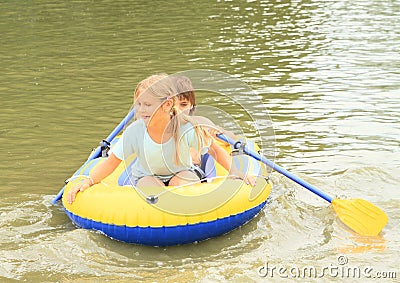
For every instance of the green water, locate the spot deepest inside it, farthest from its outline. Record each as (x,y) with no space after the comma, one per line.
(326,71)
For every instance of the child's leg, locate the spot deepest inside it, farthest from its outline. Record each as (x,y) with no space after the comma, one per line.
(183,177)
(149,181)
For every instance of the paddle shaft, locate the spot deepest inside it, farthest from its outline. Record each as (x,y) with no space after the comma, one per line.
(240,145)
(97,152)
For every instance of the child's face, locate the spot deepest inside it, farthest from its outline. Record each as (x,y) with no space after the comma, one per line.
(147,107)
(184,105)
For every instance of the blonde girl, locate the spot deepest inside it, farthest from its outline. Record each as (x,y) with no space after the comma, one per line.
(159,137)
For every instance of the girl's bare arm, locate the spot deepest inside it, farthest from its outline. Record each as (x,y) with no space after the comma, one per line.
(101,172)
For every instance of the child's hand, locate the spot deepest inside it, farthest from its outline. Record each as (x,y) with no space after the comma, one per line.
(248,179)
(214,131)
(79,188)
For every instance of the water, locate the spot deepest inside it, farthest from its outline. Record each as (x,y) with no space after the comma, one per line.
(327,71)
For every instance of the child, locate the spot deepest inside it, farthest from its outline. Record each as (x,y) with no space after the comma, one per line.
(160,138)
(187,105)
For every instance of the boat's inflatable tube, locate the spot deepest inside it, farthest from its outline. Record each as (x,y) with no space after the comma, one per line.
(168,215)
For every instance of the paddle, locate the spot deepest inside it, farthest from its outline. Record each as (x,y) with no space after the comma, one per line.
(360,215)
(97,152)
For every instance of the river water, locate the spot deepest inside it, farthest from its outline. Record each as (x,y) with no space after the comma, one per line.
(327,73)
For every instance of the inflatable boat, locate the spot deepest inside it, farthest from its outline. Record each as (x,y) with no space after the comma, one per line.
(164,216)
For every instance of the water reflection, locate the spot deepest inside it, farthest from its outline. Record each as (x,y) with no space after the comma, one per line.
(359,244)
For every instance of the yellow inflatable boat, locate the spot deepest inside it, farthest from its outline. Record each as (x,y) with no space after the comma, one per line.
(169,215)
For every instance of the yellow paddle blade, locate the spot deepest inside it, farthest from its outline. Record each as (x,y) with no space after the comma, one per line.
(360,215)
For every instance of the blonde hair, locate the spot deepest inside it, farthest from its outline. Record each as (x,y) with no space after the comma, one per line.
(164,87)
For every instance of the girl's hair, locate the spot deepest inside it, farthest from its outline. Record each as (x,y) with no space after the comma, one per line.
(164,87)
(161,90)
(185,90)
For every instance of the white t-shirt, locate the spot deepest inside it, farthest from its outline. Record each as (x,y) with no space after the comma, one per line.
(154,159)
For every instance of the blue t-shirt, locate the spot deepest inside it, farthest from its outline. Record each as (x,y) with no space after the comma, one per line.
(154,159)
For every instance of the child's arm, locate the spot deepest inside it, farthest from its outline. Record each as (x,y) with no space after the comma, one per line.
(213,129)
(223,158)
(98,174)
